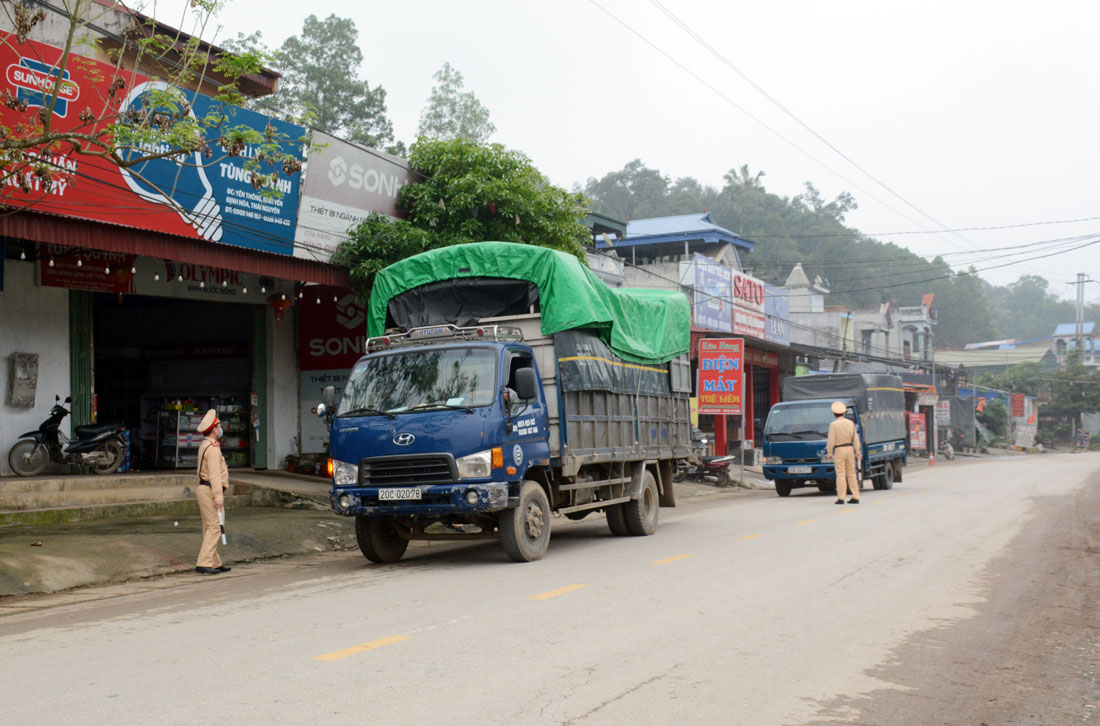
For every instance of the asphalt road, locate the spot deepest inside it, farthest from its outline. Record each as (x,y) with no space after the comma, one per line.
(745,609)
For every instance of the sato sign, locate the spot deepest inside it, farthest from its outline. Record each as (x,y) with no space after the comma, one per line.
(721,378)
(195,197)
(748,306)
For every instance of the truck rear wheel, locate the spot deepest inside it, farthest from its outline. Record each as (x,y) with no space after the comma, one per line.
(885,480)
(641,514)
(525,530)
(378,540)
(782,488)
(616,520)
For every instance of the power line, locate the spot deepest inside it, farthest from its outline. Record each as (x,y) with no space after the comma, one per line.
(703,293)
(699,39)
(913,232)
(745,111)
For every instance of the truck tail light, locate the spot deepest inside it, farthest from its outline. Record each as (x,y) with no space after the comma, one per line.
(498,457)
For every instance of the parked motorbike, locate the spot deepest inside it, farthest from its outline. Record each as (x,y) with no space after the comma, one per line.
(714,469)
(99,446)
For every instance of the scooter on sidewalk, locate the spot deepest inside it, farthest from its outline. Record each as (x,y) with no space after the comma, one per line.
(714,469)
(99,446)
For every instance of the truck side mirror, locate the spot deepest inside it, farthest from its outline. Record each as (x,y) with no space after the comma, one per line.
(328,396)
(527,384)
(322,409)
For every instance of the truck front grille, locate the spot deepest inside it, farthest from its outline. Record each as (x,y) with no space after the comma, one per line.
(400,471)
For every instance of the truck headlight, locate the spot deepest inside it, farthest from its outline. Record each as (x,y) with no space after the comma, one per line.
(476,466)
(344,474)
(773,460)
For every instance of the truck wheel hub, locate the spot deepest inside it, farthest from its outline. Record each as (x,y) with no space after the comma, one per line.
(534,521)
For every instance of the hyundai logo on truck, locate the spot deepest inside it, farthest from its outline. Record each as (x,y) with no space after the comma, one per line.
(404,439)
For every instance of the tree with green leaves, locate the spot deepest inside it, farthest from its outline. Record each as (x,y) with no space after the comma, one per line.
(470,193)
(994,416)
(452,113)
(1074,390)
(809,229)
(321,83)
(128,135)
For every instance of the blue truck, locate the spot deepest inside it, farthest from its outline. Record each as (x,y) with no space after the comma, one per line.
(797,429)
(504,384)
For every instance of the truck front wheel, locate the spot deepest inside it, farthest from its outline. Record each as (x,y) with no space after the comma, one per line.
(525,530)
(378,540)
(782,488)
(885,480)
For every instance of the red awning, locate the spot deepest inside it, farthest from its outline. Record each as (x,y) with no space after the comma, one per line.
(50,229)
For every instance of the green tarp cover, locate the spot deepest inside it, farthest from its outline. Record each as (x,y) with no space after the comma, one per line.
(640,325)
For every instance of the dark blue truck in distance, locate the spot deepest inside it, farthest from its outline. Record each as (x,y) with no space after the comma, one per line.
(797,429)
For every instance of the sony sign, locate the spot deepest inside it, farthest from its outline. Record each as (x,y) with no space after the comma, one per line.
(343,184)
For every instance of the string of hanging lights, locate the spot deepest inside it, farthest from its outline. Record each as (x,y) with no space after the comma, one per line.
(107,272)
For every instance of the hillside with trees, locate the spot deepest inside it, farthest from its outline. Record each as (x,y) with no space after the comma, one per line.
(861,271)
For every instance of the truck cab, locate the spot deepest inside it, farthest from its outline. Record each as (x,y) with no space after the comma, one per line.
(794,444)
(797,429)
(455,415)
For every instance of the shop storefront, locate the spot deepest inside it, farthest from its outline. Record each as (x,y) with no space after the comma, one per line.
(152,293)
(731,304)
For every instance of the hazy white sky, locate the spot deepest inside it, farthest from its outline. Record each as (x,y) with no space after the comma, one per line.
(978,113)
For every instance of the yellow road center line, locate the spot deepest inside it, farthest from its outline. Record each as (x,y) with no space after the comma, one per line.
(555,593)
(747,537)
(846,511)
(880,501)
(666,560)
(357,649)
(804,521)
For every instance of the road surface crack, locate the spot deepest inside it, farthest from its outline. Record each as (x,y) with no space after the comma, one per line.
(619,697)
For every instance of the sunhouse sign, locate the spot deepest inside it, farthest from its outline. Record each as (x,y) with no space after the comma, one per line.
(199,198)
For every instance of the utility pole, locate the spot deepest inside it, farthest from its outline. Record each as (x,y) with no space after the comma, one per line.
(1079,332)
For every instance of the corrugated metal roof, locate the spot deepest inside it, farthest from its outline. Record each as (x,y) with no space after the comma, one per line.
(678,228)
(674,224)
(1071,328)
(982,358)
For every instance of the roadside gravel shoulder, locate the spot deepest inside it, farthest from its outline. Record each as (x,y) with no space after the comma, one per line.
(1032,653)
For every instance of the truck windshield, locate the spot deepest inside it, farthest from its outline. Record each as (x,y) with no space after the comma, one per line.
(420,379)
(798,421)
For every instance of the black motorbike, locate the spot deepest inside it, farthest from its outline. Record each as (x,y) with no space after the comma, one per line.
(714,469)
(99,446)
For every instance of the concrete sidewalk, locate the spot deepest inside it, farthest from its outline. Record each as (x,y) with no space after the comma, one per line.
(295,521)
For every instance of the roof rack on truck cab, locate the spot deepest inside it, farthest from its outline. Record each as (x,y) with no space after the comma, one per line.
(443,334)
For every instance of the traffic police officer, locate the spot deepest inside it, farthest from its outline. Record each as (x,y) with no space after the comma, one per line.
(213,481)
(844,449)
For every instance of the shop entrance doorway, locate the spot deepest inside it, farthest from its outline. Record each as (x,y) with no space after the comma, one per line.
(160,363)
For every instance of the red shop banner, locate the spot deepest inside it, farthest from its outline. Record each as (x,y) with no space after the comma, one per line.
(1019,405)
(918,431)
(332,333)
(721,379)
